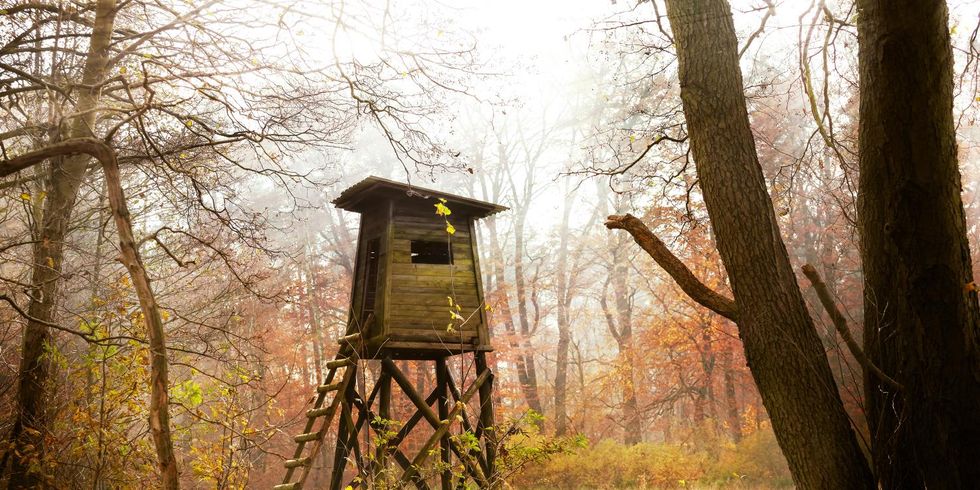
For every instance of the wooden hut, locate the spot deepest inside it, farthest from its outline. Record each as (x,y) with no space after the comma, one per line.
(417,291)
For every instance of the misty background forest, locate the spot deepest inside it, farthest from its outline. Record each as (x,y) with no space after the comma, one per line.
(738,248)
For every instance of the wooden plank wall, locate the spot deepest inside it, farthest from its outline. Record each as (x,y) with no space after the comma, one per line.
(418,307)
(373,226)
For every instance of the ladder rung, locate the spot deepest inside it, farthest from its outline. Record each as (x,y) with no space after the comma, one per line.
(336,363)
(317,412)
(328,388)
(286,486)
(309,436)
(348,338)
(293,463)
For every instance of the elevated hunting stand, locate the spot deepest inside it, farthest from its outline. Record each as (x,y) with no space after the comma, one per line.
(416,295)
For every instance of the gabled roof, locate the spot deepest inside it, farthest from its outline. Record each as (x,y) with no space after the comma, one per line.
(366,193)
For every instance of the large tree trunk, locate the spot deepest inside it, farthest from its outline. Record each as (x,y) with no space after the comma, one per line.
(781,344)
(921,315)
(65,177)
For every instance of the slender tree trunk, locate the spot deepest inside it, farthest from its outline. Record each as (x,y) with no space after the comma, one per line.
(781,343)
(564,328)
(922,322)
(308,277)
(624,317)
(526,350)
(731,400)
(65,177)
(706,392)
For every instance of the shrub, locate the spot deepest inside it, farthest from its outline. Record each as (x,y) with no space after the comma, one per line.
(756,463)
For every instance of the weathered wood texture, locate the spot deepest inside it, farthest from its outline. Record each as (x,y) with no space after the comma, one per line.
(419,308)
(411,301)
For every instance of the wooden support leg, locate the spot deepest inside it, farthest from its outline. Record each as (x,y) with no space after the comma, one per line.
(344,429)
(341,451)
(485,427)
(441,426)
(384,412)
(354,443)
(467,426)
(442,384)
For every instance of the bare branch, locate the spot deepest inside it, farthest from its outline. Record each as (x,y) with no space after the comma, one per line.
(840,323)
(672,265)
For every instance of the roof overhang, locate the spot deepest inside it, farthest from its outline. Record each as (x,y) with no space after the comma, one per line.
(366,193)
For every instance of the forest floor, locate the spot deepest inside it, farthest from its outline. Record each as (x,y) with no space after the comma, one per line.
(753,463)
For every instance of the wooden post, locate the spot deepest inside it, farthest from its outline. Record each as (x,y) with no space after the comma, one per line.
(340,452)
(485,427)
(433,419)
(384,412)
(442,383)
(343,430)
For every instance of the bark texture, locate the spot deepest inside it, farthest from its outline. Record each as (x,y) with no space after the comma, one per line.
(782,347)
(921,314)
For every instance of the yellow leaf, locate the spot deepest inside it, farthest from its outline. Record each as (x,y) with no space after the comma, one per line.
(25,196)
(970,287)
(189,123)
(450,229)
(122,70)
(487,307)
(50,262)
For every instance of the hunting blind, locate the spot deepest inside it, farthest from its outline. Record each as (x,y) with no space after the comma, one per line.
(416,295)
(409,266)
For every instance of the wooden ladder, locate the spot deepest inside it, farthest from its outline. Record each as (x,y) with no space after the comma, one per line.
(323,412)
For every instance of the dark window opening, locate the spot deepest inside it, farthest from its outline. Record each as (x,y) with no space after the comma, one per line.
(424,252)
(371,281)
